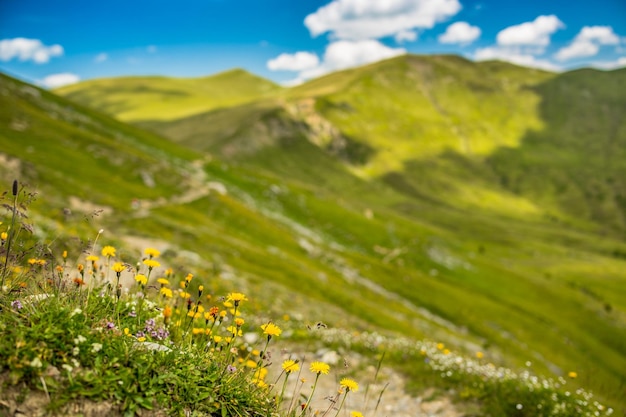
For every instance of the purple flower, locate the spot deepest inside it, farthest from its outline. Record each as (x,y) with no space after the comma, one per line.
(110,325)
(231,369)
(140,334)
(17,304)
(133,313)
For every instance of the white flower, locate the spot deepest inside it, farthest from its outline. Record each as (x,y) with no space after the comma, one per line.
(36,363)
(96,347)
(75,312)
(80,339)
(67,367)
(75,351)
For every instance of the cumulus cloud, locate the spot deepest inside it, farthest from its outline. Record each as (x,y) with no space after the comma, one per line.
(460,33)
(515,56)
(587,42)
(293,62)
(535,33)
(347,54)
(101,57)
(358,19)
(59,80)
(26,49)
(405,36)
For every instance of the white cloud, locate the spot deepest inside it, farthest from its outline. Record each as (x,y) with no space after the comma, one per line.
(371,19)
(609,65)
(535,33)
(515,56)
(405,36)
(101,57)
(28,50)
(460,32)
(587,42)
(347,54)
(293,62)
(59,80)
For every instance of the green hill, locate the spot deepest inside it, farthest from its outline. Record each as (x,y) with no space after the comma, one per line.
(373,198)
(145,98)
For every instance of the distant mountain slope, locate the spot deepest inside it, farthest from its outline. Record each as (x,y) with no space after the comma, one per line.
(69,150)
(147,98)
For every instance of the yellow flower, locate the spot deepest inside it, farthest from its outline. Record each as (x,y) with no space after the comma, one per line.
(197,330)
(440,346)
(251,364)
(64,254)
(239,322)
(290,366)
(572,375)
(355,414)
(446,351)
(108,251)
(260,373)
(92,258)
(118,267)
(349,384)
(270,329)
(319,368)
(141,279)
(163,281)
(217,339)
(184,294)
(4,236)
(141,339)
(151,263)
(479,355)
(234,330)
(167,312)
(236,298)
(166,292)
(32,261)
(152,253)
(126,331)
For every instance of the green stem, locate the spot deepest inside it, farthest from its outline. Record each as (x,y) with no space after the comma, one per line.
(11,235)
(343,400)
(308,401)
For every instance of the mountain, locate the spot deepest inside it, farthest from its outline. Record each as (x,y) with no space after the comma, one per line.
(413,232)
(139,98)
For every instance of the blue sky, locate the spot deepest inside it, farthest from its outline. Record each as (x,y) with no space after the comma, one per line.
(57,42)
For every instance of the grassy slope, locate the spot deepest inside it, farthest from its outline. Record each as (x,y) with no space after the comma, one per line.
(518,283)
(145,98)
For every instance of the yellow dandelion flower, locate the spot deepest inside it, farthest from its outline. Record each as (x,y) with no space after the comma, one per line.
(349,384)
(255,352)
(163,281)
(189,277)
(108,251)
(41,262)
(446,351)
(319,368)
(118,267)
(184,294)
(151,263)
(440,346)
(32,261)
(251,364)
(234,330)
(479,355)
(236,297)
(260,373)
(355,414)
(290,366)
(270,329)
(92,258)
(260,383)
(126,331)
(4,236)
(166,292)
(572,375)
(167,312)
(141,279)
(239,322)
(59,268)
(80,267)
(141,339)
(217,339)
(152,253)
(64,254)
(197,330)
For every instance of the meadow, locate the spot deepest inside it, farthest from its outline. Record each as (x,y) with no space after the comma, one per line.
(476,250)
